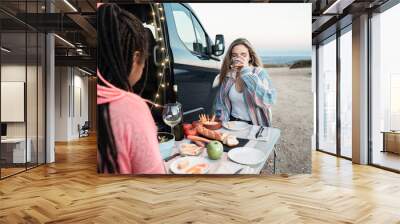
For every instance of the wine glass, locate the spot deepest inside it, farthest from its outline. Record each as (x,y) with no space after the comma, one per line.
(172,114)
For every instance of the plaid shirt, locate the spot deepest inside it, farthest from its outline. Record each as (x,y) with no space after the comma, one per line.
(258,95)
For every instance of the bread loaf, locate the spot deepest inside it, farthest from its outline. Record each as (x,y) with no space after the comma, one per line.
(209,133)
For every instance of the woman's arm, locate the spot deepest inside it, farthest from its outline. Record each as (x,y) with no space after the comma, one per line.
(259,85)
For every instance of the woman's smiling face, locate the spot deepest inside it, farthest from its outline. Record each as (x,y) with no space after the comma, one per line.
(241,51)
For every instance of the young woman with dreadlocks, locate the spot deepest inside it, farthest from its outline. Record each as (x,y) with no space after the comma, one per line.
(127,134)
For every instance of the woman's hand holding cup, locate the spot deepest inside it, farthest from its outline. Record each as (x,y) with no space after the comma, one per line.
(238,63)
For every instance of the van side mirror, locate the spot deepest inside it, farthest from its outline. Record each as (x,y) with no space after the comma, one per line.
(218,48)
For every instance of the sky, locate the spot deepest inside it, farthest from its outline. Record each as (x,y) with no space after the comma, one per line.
(274,29)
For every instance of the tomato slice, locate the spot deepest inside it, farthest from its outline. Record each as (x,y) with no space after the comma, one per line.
(187,127)
(190,132)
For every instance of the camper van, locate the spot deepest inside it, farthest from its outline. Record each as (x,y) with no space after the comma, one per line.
(175,33)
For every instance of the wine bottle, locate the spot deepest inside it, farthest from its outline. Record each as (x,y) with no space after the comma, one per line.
(178,131)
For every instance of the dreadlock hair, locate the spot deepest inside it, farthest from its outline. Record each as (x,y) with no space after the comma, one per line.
(120,34)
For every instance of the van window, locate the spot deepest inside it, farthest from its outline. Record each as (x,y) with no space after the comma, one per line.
(184,25)
(201,45)
(189,29)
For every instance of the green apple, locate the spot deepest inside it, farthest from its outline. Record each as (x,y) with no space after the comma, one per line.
(215,150)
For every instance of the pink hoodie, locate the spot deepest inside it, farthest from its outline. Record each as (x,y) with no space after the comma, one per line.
(134,130)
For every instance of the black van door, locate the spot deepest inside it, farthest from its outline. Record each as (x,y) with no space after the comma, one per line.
(194,67)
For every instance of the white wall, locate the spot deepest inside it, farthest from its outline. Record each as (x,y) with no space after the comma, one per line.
(13,73)
(71,94)
(33,127)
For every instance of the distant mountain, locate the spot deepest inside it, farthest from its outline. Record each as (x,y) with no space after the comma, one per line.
(283,60)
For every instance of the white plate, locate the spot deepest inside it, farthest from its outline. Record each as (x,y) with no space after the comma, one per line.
(193,160)
(246,155)
(236,125)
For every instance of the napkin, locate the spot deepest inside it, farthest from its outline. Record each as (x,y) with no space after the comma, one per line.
(264,135)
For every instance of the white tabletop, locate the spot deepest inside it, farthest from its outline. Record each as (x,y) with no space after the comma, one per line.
(224,165)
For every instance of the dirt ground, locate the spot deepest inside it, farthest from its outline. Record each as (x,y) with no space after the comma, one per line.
(293,114)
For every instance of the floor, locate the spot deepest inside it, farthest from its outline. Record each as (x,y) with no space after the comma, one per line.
(13,170)
(70,191)
(386,159)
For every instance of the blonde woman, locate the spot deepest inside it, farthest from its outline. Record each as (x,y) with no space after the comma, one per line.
(246,92)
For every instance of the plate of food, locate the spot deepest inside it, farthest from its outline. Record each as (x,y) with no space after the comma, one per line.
(187,149)
(210,122)
(236,125)
(246,155)
(189,165)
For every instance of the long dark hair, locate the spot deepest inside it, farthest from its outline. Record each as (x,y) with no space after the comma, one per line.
(120,34)
(254,58)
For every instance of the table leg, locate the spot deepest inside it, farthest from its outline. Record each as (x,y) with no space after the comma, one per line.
(276,147)
(274,161)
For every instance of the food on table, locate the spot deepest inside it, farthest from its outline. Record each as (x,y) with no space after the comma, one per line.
(209,133)
(190,149)
(210,122)
(197,138)
(196,124)
(231,140)
(162,139)
(230,124)
(191,132)
(228,139)
(183,164)
(187,127)
(197,169)
(199,143)
(215,150)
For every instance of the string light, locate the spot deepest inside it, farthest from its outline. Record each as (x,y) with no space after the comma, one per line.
(164,56)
